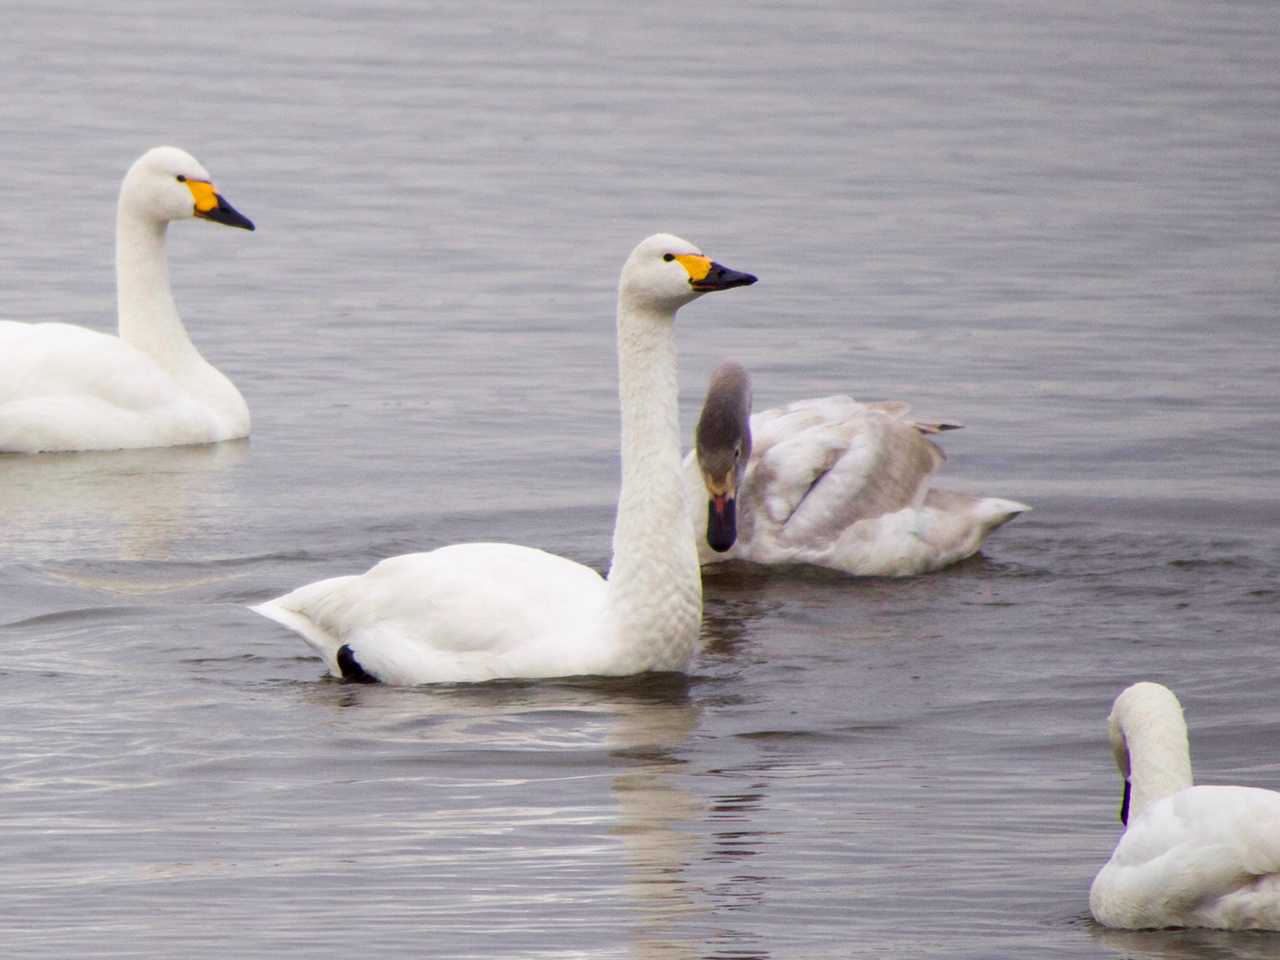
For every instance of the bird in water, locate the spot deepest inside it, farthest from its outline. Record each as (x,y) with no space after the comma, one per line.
(829,482)
(71,388)
(484,611)
(1190,856)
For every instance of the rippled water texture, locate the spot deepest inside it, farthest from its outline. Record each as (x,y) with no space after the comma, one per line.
(1054,223)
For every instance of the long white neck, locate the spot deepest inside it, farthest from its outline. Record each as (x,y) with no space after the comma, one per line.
(147,316)
(1155,735)
(654,586)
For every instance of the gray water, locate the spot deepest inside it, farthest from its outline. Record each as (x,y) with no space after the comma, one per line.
(1057,224)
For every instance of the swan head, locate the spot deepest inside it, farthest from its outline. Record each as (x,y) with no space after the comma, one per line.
(166,183)
(666,272)
(722,442)
(1148,713)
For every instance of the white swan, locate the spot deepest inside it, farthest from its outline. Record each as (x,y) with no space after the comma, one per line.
(829,482)
(481,611)
(1190,856)
(69,388)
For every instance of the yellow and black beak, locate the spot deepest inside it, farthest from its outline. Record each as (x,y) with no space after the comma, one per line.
(706,274)
(211,206)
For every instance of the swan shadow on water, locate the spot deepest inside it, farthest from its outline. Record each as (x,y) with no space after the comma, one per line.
(1188,944)
(640,727)
(137,505)
(747,575)
(490,695)
(740,597)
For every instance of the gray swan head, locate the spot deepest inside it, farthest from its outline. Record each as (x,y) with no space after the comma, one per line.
(722,442)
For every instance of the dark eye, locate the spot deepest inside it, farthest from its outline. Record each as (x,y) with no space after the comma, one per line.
(181,178)
(668,257)
(737,453)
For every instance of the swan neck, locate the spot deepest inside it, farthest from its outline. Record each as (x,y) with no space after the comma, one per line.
(1159,758)
(147,315)
(654,582)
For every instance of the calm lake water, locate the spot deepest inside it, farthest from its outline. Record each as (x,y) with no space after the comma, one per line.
(1059,225)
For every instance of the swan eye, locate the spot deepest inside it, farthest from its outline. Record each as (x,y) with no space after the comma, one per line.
(668,257)
(181,178)
(737,453)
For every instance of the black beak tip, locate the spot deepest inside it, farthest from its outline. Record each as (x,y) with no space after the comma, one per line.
(722,278)
(351,670)
(227,215)
(718,542)
(239,220)
(722,526)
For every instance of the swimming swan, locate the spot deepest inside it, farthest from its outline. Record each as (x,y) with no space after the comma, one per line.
(829,482)
(1189,856)
(70,388)
(482,611)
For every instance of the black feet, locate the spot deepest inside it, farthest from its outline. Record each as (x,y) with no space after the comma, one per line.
(351,670)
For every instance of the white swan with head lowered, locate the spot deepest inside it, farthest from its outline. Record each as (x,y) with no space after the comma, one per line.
(830,482)
(484,611)
(1190,856)
(70,388)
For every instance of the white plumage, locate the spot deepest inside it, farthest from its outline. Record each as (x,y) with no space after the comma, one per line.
(1190,856)
(483,611)
(69,388)
(830,482)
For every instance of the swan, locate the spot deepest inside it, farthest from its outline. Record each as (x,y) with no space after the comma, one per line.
(830,482)
(1189,856)
(71,388)
(481,611)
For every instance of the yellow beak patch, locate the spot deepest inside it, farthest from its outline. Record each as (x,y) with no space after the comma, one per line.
(719,487)
(205,196)
(698,267)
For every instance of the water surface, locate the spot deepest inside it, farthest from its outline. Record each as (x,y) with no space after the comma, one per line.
(1056,226)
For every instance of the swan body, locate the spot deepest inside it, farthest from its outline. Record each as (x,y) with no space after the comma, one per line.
(830,482)
(1190,856)
(482,611)
(70,388)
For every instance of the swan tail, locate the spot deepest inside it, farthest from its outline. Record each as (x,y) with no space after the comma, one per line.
(985,513)
(998,511)
(946,529)
(293,610)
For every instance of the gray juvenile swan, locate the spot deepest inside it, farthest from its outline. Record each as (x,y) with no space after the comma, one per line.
(1189,856)
(71,388)
(830,482)
(482,611)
